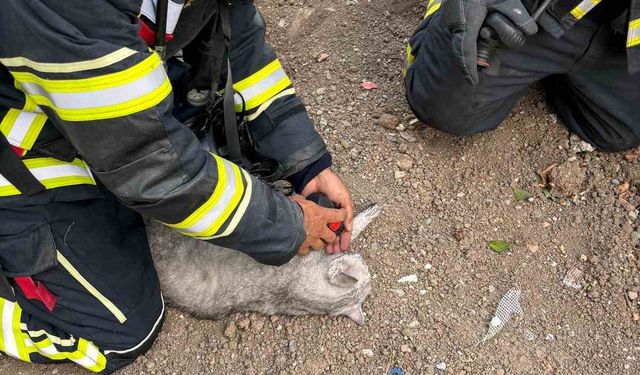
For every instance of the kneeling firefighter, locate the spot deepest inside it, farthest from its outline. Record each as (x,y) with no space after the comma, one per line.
(98,128)
(470,61)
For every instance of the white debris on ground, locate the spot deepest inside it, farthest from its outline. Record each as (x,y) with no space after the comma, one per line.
(573,278)
(509,305)
(408,279)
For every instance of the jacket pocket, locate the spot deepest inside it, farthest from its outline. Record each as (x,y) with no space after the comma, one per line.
(28,253)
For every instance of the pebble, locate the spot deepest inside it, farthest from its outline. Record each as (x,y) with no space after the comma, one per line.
(398,292)
(428,266)
(405,348)
(408,279)
(323,56)
(367,352)
(399,174)
(405,164)
(441,366)
(231,330)
(423,292)
(414,324)
(632,295)
(388,121)
(244,323)
(549,337)
(292,346)
(500,372)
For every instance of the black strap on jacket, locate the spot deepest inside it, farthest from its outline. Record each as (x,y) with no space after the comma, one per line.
(14,170)
(233,148)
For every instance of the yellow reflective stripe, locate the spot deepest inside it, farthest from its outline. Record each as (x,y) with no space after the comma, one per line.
(11,339)
(260,86)
(52,173)
(54,339)
(111,111)
(86,355)
(432,7)
(71,67)
(242,208)
(257,76)
(583,8)
(94,83)
(633,37)
(132,90)
(93,291)
(263,107)
(198,214)
(228,209)
(410,57)
(21,128)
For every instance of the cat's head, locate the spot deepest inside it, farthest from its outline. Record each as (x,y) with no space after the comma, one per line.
(335,285)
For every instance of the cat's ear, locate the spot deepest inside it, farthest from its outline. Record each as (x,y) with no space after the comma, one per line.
(346,271)
(356,315)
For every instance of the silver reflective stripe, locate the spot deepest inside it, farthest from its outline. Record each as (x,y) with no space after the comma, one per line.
(261,86)
(148,9)
(54,171)
(101,98)
(214,213)
(9,339)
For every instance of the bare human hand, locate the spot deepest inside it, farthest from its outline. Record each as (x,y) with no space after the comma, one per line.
(331,185)
(316,221)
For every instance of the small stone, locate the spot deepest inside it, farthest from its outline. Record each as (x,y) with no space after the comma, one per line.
(320,91)
(549,337)
(322,57)
(244,323)
(414,324)
(441,366)
(407,332)
(405,348)
(398,292)
(55,371)
(423,292)
(399,174)
(367,352)
(388,121)
(583,257)
(292,346)
(533,248)
(231,330)
(428,266)
(632,295)
(500,372)
(408,279)
(405,164)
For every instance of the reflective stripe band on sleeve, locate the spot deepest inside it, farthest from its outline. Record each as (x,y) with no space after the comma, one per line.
(239,212)
(263,107)
(209,218)
(261,86)
(71,67)
(52,173)
(137,88)
(633,37)
(583,8)
(21,128)
(432,7)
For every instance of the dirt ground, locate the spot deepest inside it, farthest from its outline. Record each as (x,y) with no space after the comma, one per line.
(446,198)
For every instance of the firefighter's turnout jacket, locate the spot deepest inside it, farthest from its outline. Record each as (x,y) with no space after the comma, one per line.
(562,15)
(84,99)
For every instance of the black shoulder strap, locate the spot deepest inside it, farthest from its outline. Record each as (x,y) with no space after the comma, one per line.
(234,152)
(14,170)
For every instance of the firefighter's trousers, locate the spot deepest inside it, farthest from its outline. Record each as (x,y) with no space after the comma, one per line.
(584,73)
(92,256)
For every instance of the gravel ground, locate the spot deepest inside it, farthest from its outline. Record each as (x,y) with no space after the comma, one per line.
(446,199)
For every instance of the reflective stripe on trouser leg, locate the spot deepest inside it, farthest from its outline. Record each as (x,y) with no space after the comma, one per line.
(18,341)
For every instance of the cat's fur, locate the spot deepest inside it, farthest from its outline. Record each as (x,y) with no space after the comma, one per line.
(210,281)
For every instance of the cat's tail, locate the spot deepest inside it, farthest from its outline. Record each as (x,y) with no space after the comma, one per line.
(364,218)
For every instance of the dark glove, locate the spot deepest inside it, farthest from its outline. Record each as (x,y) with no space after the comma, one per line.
(465,18)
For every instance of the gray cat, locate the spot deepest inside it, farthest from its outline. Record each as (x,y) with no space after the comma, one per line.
(210,281)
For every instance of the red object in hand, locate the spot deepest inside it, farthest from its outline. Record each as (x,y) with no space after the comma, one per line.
(36,290)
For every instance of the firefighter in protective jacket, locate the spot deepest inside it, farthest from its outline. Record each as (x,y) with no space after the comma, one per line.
(586,53)
(93,136)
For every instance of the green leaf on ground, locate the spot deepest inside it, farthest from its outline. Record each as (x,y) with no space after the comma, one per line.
(499,246)
(521,195)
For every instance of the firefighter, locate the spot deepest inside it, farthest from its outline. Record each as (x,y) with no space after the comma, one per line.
(586,53)
(94,136)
